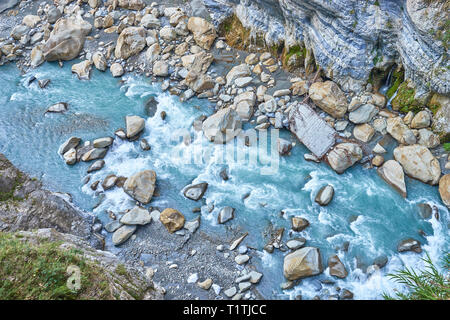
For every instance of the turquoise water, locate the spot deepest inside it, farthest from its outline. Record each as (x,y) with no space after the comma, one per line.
(365,211)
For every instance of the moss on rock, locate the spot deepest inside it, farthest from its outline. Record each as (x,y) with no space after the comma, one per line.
(404,100)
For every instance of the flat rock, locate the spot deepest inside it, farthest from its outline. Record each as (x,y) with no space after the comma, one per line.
(136,216)
(314,132)
(122,234)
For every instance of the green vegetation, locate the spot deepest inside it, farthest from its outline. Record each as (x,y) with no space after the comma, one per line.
(398,77)
(9,195)
(405,100)
(239,37)
(298,51)
(428,284)
(446,147)
(31,271)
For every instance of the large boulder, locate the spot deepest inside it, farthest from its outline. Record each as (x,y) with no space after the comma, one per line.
(329,97)
(172,219)
(244,103)
(363,114)
(161,69)
(239,71)
(100,61)
(337,268)
(199,82)
(400,131)
(392,173)
(419,163)
(122,234)
(325,195)
(421,120)
(198,62)
(130,42)
(444,189)
(66,39)
(304,262)
(134,125)
(136,216)
(195,191)
(222,126)
(204,32)
(82,69)
(141,186)
(344,155)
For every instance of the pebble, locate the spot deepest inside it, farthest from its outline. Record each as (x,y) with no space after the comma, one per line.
(230,292)
(241,259)
(244,286)
(193,278)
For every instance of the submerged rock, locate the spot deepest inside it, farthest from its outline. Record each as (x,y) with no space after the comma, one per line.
(299,223)
(141,186)
(304,262)
(409,245)
(97,165)
(58,107)
(172,219)
(82,69)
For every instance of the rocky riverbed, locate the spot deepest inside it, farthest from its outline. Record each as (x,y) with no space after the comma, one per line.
(343,122)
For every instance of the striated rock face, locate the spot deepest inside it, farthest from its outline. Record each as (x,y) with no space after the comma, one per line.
(314,132)
(36,208)
(349,38)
